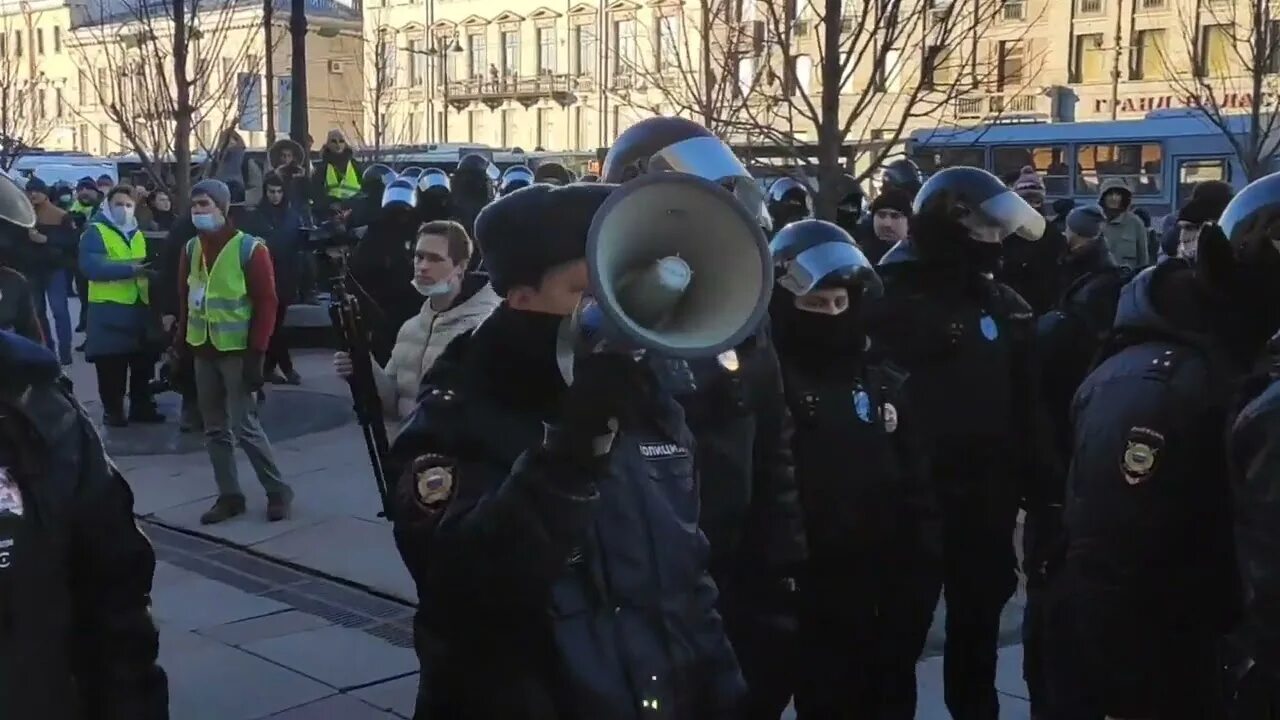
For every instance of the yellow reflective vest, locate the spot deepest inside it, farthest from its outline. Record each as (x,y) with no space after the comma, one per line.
(348,186)
(218,305)
(129,290)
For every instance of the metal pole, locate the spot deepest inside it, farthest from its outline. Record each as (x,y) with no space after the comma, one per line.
(298,97)
(1115,64)
(269,67)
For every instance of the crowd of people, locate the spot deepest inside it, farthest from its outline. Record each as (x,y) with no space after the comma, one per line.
(636,534)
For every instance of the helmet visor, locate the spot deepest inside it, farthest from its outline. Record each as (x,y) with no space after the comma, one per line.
(399,192)
(429,181)
(711,159)
(1010,215)
(805,271)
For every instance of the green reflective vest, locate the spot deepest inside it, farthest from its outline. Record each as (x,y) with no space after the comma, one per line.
(127,291)
(218,307)
(348,186)
(79,208)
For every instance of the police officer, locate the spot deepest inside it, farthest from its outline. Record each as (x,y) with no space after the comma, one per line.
(851,204)
(76,636)
(472,189)
(874,566)
(433,195)
(1149,584)
(902,176)
(552,173)
(514,178)
(736,410)
(386,252)
(965,340)
(552,531)
(789,201)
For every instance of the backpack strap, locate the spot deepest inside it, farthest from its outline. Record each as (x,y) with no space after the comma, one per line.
(247,245)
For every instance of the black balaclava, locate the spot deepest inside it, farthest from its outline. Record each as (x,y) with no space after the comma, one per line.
(816,340)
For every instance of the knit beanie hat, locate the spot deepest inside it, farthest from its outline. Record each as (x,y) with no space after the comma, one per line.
(1086,221)
(1063,207)
(215,190)
(1029,183)
(892,198)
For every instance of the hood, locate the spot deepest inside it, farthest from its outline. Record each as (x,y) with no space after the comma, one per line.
(24,362)
(100,216)
(341,158)
(1137,305)
(1115,183)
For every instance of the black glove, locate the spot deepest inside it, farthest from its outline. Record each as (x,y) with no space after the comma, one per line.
(605,387)
(253,370)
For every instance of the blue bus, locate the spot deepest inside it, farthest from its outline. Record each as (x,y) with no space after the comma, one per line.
(1160,157)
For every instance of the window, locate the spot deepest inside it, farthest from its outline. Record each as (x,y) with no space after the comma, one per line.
(1139,166)
(1273,46)
(102,140)
(386,69)
(1147,61)
(84,139)
(4,44)
(105,87)
(507,132)
(546,51)
(57,39)
(511,53)
(617,121)
(801,75)
(1050,162)
(85,90)
(479,59)
(668,42)
(41,104)
(417,62)
(585,42)
(932,160)
(579,128)
(1090,59)
(249,98)
(1089,7)
(890,71)
(940,67)
(1216,47)
(1194,172)
(39,41)
(17,43)
(624,40)
(746,75)
(62,105)
(473,122)
(1013,10)
(1012,59)
(544,128)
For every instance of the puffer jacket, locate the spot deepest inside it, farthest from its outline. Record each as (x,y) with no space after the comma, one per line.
(1125,233)
(423,338)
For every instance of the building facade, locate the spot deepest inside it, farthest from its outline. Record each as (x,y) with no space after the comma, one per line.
(64,64)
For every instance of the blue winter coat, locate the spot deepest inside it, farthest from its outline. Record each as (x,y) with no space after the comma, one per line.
(110,328)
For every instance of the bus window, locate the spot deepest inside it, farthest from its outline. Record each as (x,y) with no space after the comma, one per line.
(934,159)
(1141,168)
(1192,172)
(1050,162)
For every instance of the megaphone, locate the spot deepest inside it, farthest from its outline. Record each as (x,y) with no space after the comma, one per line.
(677,267)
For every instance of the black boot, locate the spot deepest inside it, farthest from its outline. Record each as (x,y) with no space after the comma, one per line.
(145,412)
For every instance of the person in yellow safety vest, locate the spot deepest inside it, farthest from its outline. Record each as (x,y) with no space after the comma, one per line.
(113,257)
(227,314)
(337,178)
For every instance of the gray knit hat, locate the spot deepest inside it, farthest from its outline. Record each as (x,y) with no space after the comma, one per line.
(1086,221)
(215,190)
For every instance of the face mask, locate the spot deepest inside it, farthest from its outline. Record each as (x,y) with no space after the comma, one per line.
(206,222)
(432,289)
(122,216)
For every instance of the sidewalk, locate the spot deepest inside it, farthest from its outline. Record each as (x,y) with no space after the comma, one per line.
(335,529)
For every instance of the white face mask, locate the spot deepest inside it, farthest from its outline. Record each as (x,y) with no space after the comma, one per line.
(122,216)
(432,289)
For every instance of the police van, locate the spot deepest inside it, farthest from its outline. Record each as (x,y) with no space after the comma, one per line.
(1160,157)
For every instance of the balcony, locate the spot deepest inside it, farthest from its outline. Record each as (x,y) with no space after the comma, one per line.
(527,90)
(997,107)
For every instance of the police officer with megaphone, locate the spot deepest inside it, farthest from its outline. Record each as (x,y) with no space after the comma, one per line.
(735,407)
(546,502)
(965,339)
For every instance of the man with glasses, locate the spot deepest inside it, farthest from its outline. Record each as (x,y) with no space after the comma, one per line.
(337,178)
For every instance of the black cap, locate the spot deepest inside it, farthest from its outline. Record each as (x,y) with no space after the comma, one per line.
(534,229)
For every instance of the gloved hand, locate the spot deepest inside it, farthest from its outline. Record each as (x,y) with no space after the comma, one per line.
(605,385)
(253,370)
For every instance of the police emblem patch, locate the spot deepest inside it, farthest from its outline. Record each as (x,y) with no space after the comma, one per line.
(862,405)
(433,486)
(1141,454)
(889,414)
(990,330)
(10,494)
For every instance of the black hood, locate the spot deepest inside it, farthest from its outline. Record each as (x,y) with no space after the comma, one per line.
(1165,300)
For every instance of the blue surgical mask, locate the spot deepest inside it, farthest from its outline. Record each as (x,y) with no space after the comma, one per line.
(206,222)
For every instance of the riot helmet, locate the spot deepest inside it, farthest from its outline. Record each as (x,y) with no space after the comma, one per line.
(674,144)
(412,172)
(433,181)
(903,174)
(810,254)
(401,192)
(515,177)
(851,201)
(375,180)
(552,173)
(789,200)
(15,206)
(981,203)
(473,178)
(1251,224)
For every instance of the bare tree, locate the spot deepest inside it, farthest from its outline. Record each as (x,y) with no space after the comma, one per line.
(816,77)
(25,94)
(161,67)
(382,127)
(1234,81)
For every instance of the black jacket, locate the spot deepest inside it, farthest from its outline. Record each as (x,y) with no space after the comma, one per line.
(1148,522)
(750,510)
(17,306)
(1031,268)
(76,638)
(550,589)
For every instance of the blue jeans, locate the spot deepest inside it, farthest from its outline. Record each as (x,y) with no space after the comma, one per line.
(49,292)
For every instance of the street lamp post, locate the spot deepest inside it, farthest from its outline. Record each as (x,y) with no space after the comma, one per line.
(438,53)
(298,89)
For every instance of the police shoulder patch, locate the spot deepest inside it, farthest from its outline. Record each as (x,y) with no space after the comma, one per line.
(433,478)
(889,414)
(1141,454)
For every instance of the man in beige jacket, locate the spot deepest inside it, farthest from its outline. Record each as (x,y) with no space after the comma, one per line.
(455,303)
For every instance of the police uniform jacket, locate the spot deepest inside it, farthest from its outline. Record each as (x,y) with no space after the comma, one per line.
(548,588)
(750,509)
(1149,547)
(1255,475)
(76,638)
